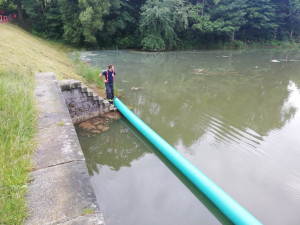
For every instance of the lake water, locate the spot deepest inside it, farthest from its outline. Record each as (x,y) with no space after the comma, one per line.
(234,114)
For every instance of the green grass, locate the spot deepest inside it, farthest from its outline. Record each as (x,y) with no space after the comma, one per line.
(17,131)
(88,72)
(87,211)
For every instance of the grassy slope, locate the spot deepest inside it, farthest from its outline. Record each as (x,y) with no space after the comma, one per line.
(21,55)
(27,53)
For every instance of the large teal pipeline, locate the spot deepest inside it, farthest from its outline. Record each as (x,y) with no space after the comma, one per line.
(235,212)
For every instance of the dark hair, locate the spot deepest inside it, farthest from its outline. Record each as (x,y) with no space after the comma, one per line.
(110,66)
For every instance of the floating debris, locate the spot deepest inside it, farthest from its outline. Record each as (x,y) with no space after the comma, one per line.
(125,81)
(90,54)
(199,70)
(136,88)
(275,60)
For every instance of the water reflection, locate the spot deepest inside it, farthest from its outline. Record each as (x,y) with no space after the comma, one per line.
(115,149)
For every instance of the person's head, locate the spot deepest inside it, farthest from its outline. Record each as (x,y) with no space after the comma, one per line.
(111,67)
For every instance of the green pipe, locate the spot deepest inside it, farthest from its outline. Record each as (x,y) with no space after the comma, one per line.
(197,193)
(235,212)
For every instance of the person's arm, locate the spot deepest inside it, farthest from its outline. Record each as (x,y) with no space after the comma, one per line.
(101,77)
(114,74)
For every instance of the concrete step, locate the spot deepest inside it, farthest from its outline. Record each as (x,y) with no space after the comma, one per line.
(104,106)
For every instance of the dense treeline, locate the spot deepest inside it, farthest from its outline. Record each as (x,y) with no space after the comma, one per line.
(161,24)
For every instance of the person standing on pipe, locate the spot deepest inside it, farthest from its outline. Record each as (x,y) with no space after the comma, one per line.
(109,76)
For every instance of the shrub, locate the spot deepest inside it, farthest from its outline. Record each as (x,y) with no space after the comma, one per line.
(153,43)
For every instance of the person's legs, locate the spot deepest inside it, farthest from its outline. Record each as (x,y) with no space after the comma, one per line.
(109,92)
(112,91)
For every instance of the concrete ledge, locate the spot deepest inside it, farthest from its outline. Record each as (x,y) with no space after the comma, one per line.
(60,190)
(60,193)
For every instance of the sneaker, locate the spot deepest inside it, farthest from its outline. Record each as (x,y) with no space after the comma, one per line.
(111,108)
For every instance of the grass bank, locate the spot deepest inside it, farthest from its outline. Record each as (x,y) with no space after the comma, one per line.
(17,130)
(21,55)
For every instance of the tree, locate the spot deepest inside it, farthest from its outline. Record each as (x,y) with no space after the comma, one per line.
(72,27)
(159,24)
(227,16)
(199,20)
(7,5)
(282,10)
(36,13)
(160,20)
(218,17)
(91,18)
(54,21)
(261,20)
(121,23)
(294,17)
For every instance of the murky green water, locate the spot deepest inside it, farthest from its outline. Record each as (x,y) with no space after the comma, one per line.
(234,114)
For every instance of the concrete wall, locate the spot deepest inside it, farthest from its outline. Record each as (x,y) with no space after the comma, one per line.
(82,103)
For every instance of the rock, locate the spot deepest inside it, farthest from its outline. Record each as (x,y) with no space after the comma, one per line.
(113,115)
(87,126)
(97,122)
(100,127)
(96,131)
(105,128)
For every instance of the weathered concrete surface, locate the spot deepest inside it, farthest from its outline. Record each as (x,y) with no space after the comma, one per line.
(83,104)
(60,190)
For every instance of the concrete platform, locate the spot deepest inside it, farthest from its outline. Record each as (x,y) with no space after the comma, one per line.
(60,191)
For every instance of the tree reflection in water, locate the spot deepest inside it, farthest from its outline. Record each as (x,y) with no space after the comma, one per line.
(104,149)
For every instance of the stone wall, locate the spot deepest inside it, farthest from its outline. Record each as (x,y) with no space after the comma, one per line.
(83,103)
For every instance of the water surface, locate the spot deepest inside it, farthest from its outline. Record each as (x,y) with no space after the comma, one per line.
(233,114)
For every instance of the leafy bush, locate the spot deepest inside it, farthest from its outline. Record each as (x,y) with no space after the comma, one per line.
(126,42)
(153,43)
(239,44)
